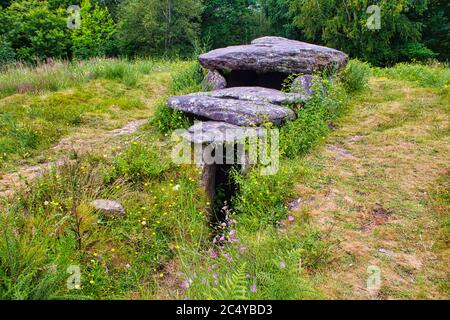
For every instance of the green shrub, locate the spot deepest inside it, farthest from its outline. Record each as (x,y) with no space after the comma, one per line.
(312,124)
(356,76)
(35,31)
(96,35)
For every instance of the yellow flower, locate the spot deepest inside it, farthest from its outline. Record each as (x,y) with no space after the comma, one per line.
(91,282)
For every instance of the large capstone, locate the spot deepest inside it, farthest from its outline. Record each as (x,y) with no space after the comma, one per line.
(232,111)
(275,54)
(257,94)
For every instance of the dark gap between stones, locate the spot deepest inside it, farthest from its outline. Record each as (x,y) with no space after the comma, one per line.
(223,187)
(246,78)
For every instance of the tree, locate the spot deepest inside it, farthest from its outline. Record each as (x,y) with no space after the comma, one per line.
(436,30)
(279,19)
(34,31)
(228,22)
(159,26)
(96,35)
(343,25)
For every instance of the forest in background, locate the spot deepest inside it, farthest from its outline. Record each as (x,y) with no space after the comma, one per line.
(32,30)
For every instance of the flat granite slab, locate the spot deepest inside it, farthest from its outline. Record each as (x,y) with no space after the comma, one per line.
(232,111)
(275,54)
(257,94)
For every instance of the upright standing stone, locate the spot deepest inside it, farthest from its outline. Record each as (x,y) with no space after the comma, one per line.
(214,81)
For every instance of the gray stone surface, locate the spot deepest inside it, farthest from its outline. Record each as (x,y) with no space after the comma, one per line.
(275,54)
(218,132)
(302,85)
(108,207)
(214,81)
(233,111)
(257,94)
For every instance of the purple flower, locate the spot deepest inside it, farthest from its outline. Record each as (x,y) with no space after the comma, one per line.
(253,288)
(185,285)
(216,282)
(291,218)
(282,265)
(215,275)
(213,255)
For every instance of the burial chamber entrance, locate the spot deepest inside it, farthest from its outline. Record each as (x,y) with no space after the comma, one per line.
(249,78)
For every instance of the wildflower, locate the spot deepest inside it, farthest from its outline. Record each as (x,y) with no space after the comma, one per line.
(128,266)
(215,275)
(253,288)
(176,188)
(291,218)
(213,255)
(112,250)
(282,265)
(247,275)
(91,282)
(185,285)
(216,282)
(161,275)
(46,203)
(143,223)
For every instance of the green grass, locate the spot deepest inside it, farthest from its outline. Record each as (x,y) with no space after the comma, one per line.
(437,75)
(163,246)
(91,95)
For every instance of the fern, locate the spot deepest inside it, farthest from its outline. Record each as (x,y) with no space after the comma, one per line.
(234,287)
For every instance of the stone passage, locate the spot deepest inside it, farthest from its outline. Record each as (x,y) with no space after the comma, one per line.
(242,91)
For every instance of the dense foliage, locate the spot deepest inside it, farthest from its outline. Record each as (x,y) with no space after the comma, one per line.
(409,29)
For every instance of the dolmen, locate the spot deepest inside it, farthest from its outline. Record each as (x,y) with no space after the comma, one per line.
(243,84)
(242,89)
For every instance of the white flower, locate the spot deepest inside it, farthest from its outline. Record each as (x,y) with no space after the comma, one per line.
(177,187)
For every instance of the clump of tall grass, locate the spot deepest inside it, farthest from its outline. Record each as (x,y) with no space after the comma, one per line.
(312,124)
(56,75)
(356,75)
(432,75)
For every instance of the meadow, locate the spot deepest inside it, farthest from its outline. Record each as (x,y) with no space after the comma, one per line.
(363,181)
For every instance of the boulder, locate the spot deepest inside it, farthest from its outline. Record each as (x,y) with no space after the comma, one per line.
(108,207)
(275,54)
(257,94)
(232,111)
(214,81)
(302,85)
(218,132)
